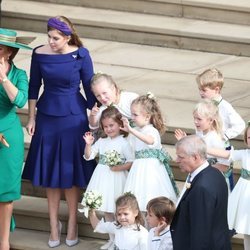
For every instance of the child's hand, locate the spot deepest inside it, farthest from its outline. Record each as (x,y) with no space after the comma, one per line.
(160,227)
(179,134)
(88,138)
(94,110)
(115,168)
(126,127)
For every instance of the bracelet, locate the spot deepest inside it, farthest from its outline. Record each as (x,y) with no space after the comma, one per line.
(5,79)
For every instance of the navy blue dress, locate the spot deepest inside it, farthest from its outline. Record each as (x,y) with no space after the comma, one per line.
(55,158)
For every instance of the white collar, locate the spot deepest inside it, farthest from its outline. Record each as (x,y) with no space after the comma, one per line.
(198,170)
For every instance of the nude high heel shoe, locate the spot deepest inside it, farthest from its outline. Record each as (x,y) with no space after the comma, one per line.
(71,243)
(56,243)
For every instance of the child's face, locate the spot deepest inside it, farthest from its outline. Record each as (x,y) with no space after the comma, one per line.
(139,116)
(201,123)
(111,127)
(126,216)
(105,93)
(152,220)
(206,92)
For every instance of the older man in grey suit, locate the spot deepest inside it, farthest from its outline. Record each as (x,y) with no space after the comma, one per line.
(200,221)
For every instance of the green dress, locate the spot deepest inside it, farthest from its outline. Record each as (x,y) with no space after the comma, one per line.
(11,159)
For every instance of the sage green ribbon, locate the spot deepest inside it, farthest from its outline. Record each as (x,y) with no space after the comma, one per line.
(163,157)
(103,159)
(245,174)
(228,172)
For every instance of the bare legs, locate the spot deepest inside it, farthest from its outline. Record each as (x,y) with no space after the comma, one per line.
(72,196)
(54,196)
(6,209)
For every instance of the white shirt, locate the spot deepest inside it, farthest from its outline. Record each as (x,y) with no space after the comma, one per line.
(191,177)
(233,124)
(126,238)
(161,242)
(214,140)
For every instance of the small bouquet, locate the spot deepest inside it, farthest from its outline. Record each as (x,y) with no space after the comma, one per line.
(113,158)
(91,200)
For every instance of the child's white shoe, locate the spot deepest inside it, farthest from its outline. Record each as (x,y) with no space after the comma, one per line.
(107,245)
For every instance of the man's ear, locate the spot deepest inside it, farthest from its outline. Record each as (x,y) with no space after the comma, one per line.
(196,157)
(217,89)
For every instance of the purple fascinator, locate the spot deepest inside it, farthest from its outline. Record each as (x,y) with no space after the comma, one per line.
(59,25)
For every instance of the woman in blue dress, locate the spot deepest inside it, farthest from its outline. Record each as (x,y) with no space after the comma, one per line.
(55,157)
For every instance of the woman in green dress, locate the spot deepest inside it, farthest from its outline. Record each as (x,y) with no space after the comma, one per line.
(13,93)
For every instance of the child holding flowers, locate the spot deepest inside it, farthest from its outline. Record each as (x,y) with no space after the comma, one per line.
(115,158)
(128,231)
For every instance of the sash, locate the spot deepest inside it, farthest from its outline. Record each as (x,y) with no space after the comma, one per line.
(163,157)
(245,174)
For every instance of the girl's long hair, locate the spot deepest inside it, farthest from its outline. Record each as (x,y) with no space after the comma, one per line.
(151,107)
(208,109)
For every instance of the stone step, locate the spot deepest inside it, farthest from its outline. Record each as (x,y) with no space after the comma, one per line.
(156,30)
(229,11)
(32,213)
(27,239)
(32,231)
(168,73)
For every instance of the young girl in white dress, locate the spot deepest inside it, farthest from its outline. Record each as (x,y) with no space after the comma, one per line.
(109,180)
(160,212)
(209,127)
(238,203)
(150,175)
(107,92)
(128,230)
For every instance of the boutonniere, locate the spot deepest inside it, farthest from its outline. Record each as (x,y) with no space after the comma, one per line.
(188,185)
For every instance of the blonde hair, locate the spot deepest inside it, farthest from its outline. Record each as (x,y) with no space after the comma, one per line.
(74,38)
(151,107)
(128,200)
(100,77)
(162,207)
(208,109)
(210,78)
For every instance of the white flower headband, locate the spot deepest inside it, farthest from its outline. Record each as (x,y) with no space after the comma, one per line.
(150,95)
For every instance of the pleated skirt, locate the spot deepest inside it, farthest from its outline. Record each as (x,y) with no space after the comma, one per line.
(55,158)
